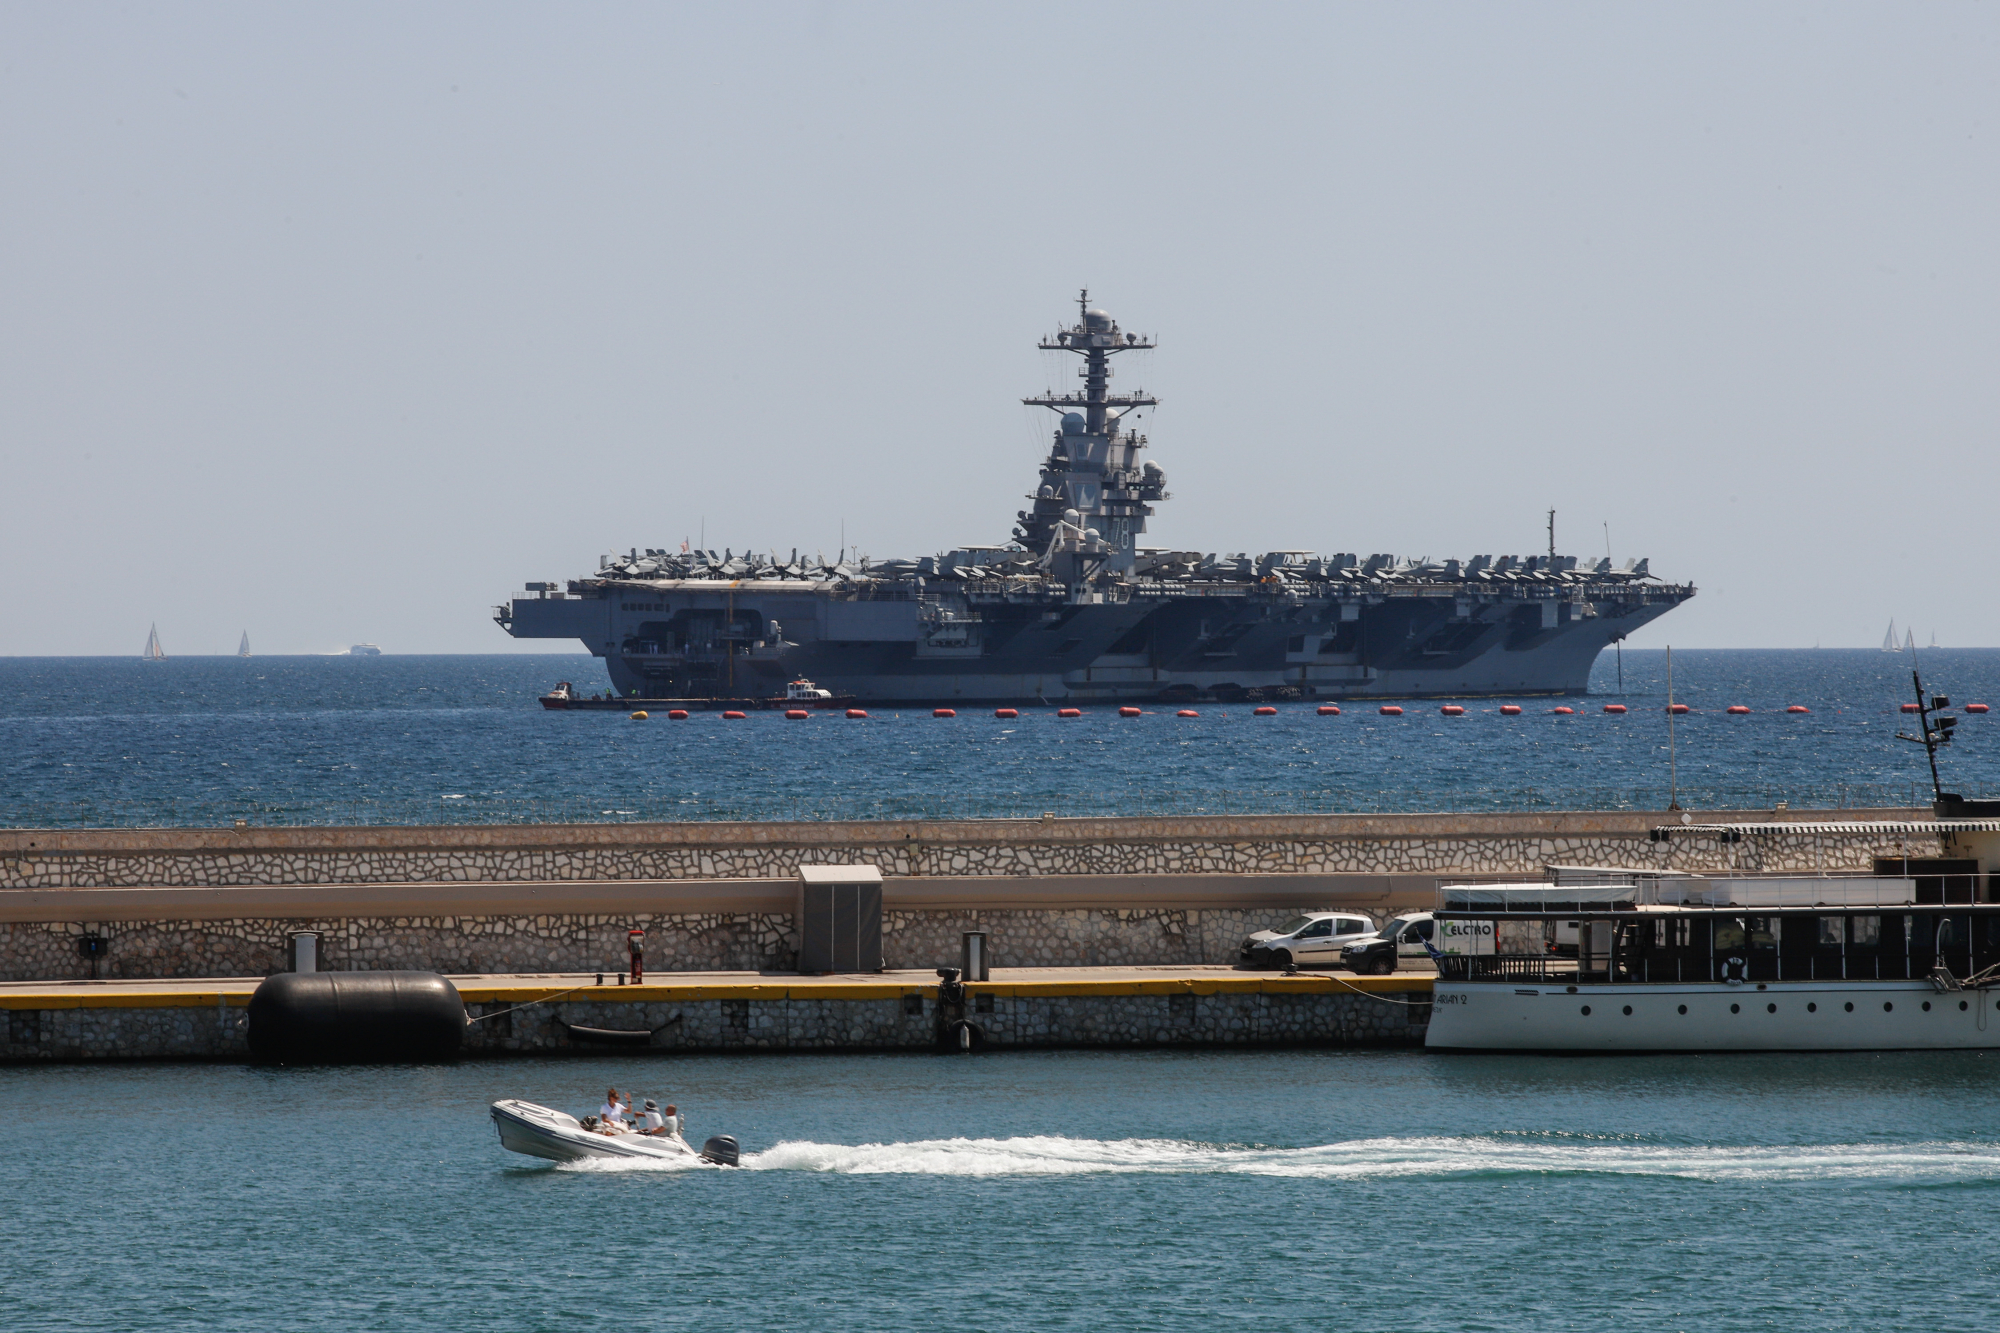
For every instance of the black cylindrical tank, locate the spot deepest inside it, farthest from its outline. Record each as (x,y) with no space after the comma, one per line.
(318,1017)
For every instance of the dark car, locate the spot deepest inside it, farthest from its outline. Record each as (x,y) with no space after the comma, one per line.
(1403,940)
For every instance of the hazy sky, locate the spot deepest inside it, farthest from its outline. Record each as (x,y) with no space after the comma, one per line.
(338,323)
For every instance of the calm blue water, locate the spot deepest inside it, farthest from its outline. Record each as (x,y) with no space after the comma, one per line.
(436,739)
(1033,1192)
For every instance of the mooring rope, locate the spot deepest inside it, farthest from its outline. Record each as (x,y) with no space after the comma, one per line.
(469,1020)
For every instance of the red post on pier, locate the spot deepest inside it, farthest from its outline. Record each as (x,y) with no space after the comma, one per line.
(636,940)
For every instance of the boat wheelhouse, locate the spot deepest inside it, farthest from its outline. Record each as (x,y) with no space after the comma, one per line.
(1625,960)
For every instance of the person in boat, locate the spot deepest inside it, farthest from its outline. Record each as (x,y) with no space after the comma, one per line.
(652,1123)
(674,1123)
(611,1116)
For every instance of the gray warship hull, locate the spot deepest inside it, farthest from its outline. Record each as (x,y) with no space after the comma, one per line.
(1074,609)
(929,649)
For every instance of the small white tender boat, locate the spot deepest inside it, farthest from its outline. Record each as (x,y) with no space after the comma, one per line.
(537,1131)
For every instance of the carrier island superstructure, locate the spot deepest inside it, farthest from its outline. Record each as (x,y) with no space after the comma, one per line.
(1075,609)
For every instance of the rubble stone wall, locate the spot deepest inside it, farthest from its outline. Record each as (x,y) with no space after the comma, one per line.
(1249,844)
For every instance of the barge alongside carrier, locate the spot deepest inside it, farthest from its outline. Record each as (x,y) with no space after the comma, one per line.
(1074,609)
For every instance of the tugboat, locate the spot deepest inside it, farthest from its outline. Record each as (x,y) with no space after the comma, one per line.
(798,694)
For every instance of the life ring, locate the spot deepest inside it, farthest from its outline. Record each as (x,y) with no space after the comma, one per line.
(1735,969)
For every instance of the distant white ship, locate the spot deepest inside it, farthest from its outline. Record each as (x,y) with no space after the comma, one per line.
(1909,643)
(364,650)
(154,653)
(243,648)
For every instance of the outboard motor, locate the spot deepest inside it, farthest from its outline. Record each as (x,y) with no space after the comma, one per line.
(722,1150)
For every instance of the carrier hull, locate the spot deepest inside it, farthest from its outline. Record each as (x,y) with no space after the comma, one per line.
(1005,653)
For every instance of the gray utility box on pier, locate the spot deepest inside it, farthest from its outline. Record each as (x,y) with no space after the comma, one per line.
(839,919)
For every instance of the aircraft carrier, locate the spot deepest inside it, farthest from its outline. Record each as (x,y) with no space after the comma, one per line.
(1073,609)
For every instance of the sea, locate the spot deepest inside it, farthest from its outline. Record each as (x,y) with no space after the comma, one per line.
(1032,1192)
(1019,1193)
(205,741)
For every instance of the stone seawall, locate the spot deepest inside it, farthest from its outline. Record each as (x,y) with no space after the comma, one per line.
(838,1016)
(1236,845)
(239,947)
(1050,892)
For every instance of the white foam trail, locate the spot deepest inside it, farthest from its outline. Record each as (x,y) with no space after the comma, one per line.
(1392,1157)
(612,1166)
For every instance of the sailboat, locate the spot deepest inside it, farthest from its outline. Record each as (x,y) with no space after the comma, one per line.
(1889,644)
(154,653)
(243,648)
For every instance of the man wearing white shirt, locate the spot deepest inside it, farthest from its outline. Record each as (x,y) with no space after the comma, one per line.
(651,1122)
(611,1115)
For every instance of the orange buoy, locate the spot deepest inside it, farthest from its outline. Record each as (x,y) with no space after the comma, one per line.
(639,716)
(796,714)
(1264,712)
(1390,710)
(1975,708)
(944,712)
(1798,708)
(1563,710)
(1677,708)
(1128,712)
(677,714)
(1614,708)
(731,715)
(1510,710)
(1914,708)
(1737,709)
(1328,710)
(857,712)
(1069,712)
(1453,710)
(1007,712)
(1187,712)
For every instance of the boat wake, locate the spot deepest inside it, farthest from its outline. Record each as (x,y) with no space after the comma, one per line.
(1440,1158)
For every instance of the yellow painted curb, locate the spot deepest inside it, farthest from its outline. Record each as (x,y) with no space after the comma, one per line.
(67,998)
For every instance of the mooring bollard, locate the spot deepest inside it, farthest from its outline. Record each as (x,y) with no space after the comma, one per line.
(972,957)
(302,949)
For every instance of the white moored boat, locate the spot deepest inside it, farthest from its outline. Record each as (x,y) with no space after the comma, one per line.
(1644,961)
(537,1131)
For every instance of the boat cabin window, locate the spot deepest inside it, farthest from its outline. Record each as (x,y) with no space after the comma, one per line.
(1317,930)
(1671,932)
(1522,938)
(1728,933)
(1832,932)
(1864,931)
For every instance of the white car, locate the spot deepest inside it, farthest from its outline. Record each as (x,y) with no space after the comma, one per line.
(1404,942)
(1316,937)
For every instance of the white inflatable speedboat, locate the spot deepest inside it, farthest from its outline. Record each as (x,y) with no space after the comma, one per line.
(538,1131)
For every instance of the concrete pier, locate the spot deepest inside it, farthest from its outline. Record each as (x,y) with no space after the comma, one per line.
(1019,1009)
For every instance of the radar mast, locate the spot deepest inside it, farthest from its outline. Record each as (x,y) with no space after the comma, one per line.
(1093,468)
